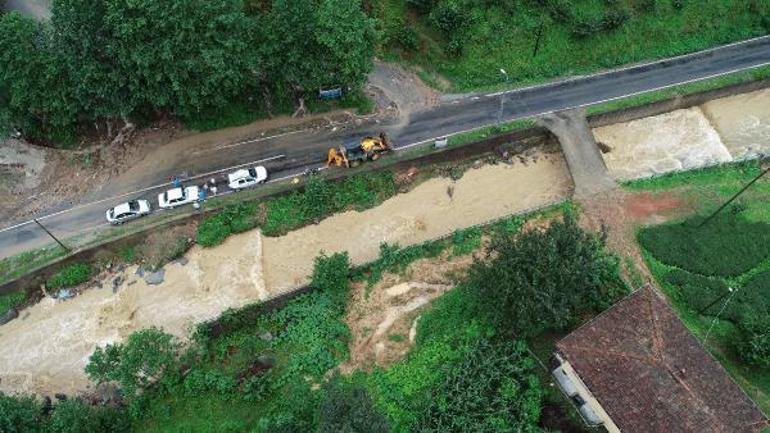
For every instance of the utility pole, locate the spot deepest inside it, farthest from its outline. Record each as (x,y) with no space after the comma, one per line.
(710,217)
(721,310)
(502,97)
(537,40)
(51,235)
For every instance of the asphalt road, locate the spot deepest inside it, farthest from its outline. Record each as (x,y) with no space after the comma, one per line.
(296,150)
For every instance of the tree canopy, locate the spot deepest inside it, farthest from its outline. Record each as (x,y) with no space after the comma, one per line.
(104,59)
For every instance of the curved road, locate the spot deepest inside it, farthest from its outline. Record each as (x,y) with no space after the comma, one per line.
(288,153)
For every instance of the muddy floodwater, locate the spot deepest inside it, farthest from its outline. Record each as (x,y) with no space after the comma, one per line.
(46,349)
(722,130)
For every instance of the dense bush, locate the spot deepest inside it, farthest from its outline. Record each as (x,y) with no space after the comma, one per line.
(349,409)
(494,389)
(147,358)
(754,348)
(699,291)
(70,275)
(544,280)
(232,219)
(27,415)
(75,416)
(727,246)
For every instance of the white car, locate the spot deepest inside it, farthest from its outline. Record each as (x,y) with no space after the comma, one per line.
(128,211)
(245,178)
(178,197)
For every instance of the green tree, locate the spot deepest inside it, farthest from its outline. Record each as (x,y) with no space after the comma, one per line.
(180,55)
(34,86)
(349,409)
(542,281)
(75,416)
(346,36)
(20,415)
(148,357)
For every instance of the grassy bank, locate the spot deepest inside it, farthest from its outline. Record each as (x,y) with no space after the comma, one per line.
(468,43)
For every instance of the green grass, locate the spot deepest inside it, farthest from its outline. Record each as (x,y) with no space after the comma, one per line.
(11,300)
(502,35)
(699,86)
(18,265)
(70,275)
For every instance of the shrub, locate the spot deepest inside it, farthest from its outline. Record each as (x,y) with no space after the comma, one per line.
(70,275)
(542,281)
(232,219)
(201,381)
(727,246)
(331,273)
(75,416)
(11,300)
(466,241)
(148,357)
(754,348)
(349,409)
(614,18)
(20,415)
(696,290)
(494,389)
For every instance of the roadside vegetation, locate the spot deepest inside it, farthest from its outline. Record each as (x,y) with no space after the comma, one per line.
(468,42)
(318,199)
(273,370)
(717,275)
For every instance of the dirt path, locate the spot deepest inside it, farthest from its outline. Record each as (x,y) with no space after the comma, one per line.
(588,171)
(427,212)
(404,88)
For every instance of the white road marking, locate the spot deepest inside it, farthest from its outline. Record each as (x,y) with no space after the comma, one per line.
(625,68)
(139,191)
(254,140)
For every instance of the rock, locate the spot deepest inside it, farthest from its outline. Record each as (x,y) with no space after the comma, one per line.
(183,260)
(139,271)
(155,277)
(8,316)
(478,163)
(266,360)
(60,396)
(266,336)
(65,294)
(116,282)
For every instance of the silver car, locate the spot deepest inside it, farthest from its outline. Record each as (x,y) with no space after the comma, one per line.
(128,211)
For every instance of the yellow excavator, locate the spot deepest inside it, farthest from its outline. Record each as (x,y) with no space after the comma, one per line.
(353,152)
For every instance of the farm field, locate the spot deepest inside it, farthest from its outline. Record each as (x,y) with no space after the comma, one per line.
(716,275)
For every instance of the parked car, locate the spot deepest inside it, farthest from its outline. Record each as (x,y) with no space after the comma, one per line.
(245,178)
(178,197)
(128,211)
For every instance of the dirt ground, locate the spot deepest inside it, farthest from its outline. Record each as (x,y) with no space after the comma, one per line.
(427,212)
(383,318)
(619,213)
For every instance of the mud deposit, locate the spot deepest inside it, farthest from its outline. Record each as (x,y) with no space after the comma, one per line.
(46,349)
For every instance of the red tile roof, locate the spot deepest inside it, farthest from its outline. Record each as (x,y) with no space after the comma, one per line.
(651,375)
